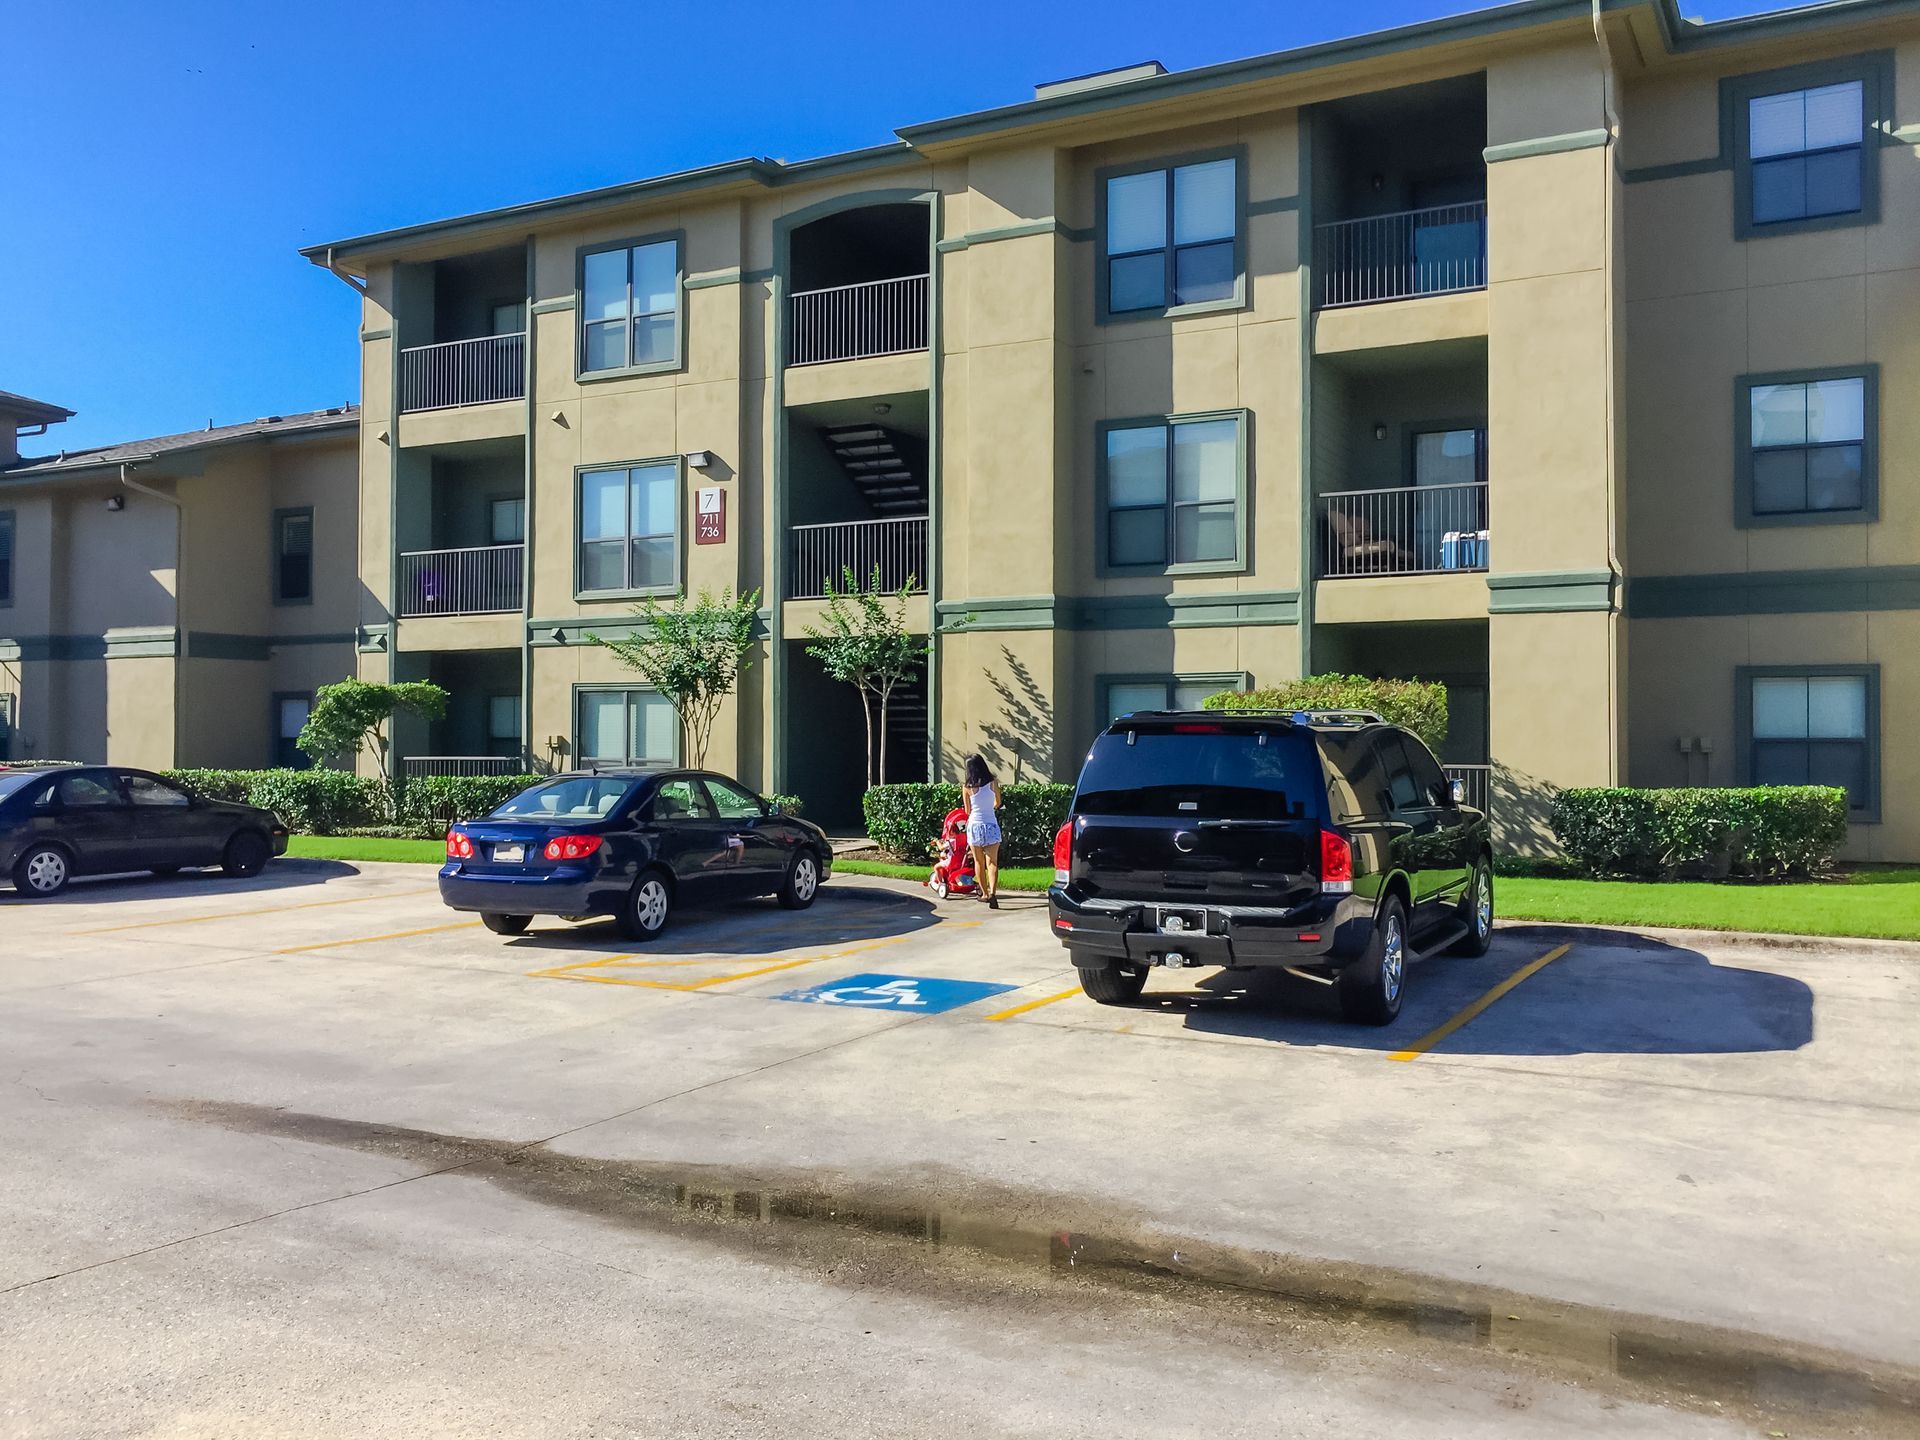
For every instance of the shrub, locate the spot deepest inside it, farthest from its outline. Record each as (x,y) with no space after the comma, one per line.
(904,820)
(1419,705)
(430,803)
(789,804)
(1762,832)
(315,802)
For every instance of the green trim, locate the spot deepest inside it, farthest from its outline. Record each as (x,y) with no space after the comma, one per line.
(584,376)
(1546,145)
(1242,296)
(1744,515)
(131,643)
(1676,170)
(711,280)
(551,307)
(1047,226)
(679,464)
(384,333)
(221,645)
(1905,135)
(1545,592)
(1243,425)
(1104,682)
(1874,71)
(1866,813)
(1857,589)
(1183,611)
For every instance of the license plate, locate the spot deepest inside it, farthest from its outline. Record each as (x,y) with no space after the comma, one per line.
(509,854)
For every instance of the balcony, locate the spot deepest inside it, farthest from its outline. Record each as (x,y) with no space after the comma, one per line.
(414,765)
(482,580)
(1440,250)
(822,553)
(1410,530)
(857,322)
(454,373)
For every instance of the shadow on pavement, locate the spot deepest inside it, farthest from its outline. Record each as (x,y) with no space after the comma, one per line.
(145,885)
(1622,994)
(751,927)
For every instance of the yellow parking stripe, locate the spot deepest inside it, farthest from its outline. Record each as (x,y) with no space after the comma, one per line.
(1008,1014)
(1434,1037)
(258,910)
(371,939)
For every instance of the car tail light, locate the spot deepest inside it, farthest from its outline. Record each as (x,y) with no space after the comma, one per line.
(571,847)
(1336,864)
(1063,853)
(459,846)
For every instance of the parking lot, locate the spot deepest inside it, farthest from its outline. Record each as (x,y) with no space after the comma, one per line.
(1578,1135)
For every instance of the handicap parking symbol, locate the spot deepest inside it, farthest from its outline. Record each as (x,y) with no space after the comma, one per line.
(915,994)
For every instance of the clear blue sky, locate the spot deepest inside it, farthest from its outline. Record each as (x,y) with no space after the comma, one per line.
(162,163)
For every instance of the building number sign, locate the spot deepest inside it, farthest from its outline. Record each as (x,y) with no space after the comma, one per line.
(709,515)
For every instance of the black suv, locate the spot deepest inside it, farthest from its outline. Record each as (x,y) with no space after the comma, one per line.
(1324,843)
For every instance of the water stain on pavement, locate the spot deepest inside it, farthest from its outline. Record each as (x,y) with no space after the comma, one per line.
(830,1224)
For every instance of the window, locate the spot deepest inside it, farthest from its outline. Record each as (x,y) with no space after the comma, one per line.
(146,791)
(507,521)
(290,713)
(630,307)
(1130,694)
(6,557)
(732,802)
(578,797)
(628,523)
(1172,493)
(1171,238)
(680,800)
(1813,725)
(83,792)
(503,725)
(621,727)
(1806,153)
(1807,447)
(508,318)
(293,556)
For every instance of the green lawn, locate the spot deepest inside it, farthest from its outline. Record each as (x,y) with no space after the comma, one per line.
(1878,903)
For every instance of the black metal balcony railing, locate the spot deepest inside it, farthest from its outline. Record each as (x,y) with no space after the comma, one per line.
(1396,257)
(1474,780)
(1413,530)
(463,372)
(414,765)
(822,554)
(479,581)
(854,322)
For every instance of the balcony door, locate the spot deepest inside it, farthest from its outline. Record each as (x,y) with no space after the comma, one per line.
(1449,477)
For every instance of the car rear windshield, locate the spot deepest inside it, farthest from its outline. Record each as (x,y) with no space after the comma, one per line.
(580,797)
(17,781)
(1200,771)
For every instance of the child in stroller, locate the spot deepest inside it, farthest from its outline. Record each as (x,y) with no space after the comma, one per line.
(953,860)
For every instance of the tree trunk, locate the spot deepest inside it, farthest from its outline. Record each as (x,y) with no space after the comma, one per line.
(866,714)
(885,696)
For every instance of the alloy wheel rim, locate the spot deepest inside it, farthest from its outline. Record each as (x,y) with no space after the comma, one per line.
(653,905)
(1482,903)
(1393,962)
(46,870)
(803,878)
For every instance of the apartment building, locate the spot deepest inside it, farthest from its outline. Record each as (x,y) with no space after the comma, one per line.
(1552,351)
(175,601)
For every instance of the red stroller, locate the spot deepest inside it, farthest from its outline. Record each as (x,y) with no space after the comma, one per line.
(953,858)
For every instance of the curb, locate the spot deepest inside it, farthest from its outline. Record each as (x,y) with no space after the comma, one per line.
(1652,937)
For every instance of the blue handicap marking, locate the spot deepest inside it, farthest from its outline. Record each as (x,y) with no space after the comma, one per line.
(917,994)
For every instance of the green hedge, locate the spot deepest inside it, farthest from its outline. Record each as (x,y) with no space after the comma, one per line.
(430,803)
(1763,832)
(1419,705)
(314,802)
(904,820)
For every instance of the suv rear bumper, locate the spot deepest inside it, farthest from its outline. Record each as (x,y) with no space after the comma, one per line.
(1323,934)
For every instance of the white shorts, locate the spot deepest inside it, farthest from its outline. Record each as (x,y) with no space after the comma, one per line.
(982,832)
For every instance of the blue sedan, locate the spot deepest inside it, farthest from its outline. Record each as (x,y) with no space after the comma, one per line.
(631,843)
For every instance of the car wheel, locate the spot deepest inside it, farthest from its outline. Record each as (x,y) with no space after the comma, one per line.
(506,924)
(247,854)
(1476,910)
(1117,984)
(1370,988)
(802,882)
(644,914)
(42,871)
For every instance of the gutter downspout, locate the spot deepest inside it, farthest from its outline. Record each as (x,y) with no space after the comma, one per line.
(1616,687)
(179,586)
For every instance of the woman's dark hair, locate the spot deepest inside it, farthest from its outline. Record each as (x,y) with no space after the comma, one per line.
(977,772)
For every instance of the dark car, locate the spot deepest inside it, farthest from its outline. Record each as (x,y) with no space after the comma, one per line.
(1325,844)
(633,844)
(57,822)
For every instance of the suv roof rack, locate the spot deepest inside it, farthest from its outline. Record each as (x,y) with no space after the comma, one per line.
(1298,717)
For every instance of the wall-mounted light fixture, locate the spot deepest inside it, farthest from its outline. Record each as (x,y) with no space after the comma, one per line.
(699,459)
(116,502)
(1379,430)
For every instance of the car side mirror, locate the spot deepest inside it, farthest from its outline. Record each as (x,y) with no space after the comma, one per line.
(1457,791)
(773,808)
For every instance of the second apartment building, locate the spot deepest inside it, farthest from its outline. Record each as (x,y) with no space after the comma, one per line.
(1548,351)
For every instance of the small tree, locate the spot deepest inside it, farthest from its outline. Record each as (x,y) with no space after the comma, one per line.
(692,654)
(864,642)
(349,717)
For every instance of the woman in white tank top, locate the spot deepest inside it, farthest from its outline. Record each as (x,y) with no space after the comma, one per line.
(982,793)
